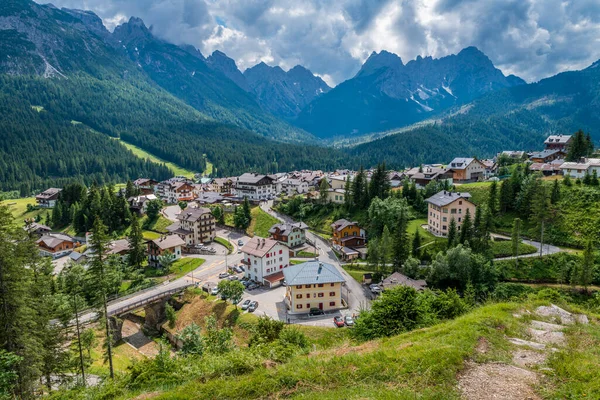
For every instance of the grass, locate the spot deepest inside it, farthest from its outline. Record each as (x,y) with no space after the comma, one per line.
(225,243)
(505,249)
(159,225)
(294,262)
(306,254)
(261,222)
(177,170)
(150,235)
(465,186)
(123,357)
(18,209)
(356,271)
(183,266)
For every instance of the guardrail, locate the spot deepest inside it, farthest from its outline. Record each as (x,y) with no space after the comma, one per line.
(148,300)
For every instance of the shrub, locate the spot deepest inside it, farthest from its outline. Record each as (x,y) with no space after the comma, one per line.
(291,336)
(507,291)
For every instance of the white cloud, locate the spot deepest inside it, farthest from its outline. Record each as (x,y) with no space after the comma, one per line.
(531,38)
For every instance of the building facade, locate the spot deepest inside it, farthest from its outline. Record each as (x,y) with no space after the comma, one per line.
(347,233)
(265,260)
(175,190)
(467,169)
(313,285)
(157,247)
(445,206)
(290,234)
(255,187)
(195,226)
(557,142)
(48,198)
(55,245)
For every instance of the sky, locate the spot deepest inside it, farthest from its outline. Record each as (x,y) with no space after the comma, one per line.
(533,39)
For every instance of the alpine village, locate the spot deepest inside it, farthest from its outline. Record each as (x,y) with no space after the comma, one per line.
(174,228)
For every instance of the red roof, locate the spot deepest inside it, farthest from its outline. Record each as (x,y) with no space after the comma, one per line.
(276,277)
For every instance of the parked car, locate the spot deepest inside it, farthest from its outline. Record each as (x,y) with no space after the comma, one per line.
(238,269)
(348,320)
(214,291)
(253,306)
(246,304)
(252,286)
(284,283)
(338,321)
(240,243)
(242,268)
(223,275)
(316,311)
(239,251)
(375,289)
(245,282)
(233,278)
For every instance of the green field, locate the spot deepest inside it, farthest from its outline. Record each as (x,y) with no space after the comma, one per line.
(177,170)
(225,243)
(184,266)
(18,208)
(261,222)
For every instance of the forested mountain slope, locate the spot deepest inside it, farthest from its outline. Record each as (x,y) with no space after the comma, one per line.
(53,60)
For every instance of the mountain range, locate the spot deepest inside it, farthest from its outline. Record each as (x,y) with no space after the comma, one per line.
(85,82)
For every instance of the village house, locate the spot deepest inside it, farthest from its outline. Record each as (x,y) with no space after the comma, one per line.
(56,245)
(175,190)
(397,278)
(145,185)
(313,285)
(467,169)
(515,155)
(421,176)
(395,178)
(547,156)
(585,166)
(557,142)
(48,198)
(157,247)
(139,204)
(547,169)
(491,168)
(195,225)
(223,185)
(291,234)
(265,260)
(255,187)
(36,229)
(347,233)
(445,206)
(292,186)
(336,196)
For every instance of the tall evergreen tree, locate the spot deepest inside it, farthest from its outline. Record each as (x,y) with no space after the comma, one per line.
(493,198)
(348,194)
(385,247)
(587,269)
(516,240)
(401,241)
(74,276)
(130,190)
(579,147)
(100,282)
(416,244)
(323,188)
(466,229)
(540,212)
(452,233)
(247,211)
(555,196)
(137,250)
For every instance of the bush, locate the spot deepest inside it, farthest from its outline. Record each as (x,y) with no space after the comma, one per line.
(291,336)
(552,268)
(511,291)
(267,330)
(505,249)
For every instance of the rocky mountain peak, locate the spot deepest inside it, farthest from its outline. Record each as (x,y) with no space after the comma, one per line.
(227,66)
(377,61)
(133,31)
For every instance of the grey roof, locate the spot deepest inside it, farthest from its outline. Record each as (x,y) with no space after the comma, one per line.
(193,214)
(34,226)
(253,178)
(49,193)
(54,239)
(342,223)
(258,246)
(545,153)
(287,227)
(563,139)
(75,256)
(461,163)
(168,242)
(397,278)
(444,198)
(312,272)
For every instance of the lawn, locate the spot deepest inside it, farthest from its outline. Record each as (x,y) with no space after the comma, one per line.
(505,249)
(18,208)
(184,266)
(225,243)
(150,235)
(159,225)
(306,254)
(356,271)
(261,222)
(177,170)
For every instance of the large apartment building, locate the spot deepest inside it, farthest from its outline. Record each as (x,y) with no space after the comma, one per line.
(195,226)
(445,206)
(255,187)
(175,190)
(265,260)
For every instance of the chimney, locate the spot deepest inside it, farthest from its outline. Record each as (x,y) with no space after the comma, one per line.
(263,242)
(320,268)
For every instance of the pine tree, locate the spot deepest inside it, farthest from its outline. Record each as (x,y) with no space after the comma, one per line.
(587,269)
(74,276)
(476,244)
(348,195)
(385,246)
(137,250)
(493,198)
(579,147)
(466,229)
(594,180)
(100,284)
(401,241)
(567,181)
(452,233)
(416,245)
(247,211)
(130,190)
(587,179)
(555,196)
(323,189)
(540,212)
(516,240)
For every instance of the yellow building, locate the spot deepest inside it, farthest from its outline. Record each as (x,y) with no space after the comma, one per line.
(313,285)
(444,207)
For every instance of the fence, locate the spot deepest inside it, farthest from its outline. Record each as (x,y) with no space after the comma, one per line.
(148,300)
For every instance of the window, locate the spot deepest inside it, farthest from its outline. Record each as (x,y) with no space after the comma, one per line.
(332,293)
(445,211)
(459,219)
(298,296)
(298,305)
(460,210)
(453,211)
(320,285)
(280,252)
(321,294)
(307,305)
(460,202)
(308,295)
(444,227)
(444,219)
(307,286)
(332,303)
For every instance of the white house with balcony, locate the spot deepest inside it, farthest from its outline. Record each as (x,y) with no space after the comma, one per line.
(265,260)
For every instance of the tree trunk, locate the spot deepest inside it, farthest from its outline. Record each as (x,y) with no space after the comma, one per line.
(108,337)
(79,341)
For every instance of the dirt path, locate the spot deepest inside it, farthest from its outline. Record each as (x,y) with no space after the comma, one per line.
(516,381)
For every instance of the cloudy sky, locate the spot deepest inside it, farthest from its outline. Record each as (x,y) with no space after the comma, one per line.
(531,38)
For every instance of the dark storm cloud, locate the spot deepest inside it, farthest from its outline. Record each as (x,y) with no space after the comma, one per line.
(531,38)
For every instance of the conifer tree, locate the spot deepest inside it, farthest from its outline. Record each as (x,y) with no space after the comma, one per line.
(493,198)
(516,240)
(555,196)
(452,233)
(401,241)
(540,212)
(137,250)
(416,245)
(466,229)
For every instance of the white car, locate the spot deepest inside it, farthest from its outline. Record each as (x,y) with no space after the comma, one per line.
(375,289)
(214,291)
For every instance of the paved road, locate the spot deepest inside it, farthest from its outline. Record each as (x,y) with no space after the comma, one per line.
(358,297)
(547,250)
